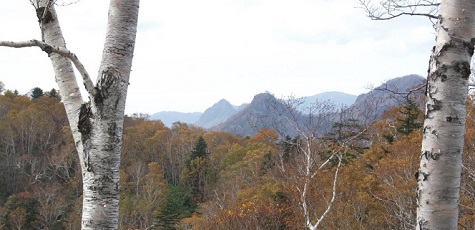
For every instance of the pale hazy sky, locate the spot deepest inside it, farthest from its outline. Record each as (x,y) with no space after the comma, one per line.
(190,54)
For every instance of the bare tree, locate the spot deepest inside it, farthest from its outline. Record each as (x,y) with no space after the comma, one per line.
(324,135)
(96,124)
(389,9)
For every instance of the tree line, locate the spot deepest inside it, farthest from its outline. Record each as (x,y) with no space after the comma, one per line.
(185,177)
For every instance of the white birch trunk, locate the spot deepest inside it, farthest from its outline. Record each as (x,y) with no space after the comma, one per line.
(444,125)
(97,125)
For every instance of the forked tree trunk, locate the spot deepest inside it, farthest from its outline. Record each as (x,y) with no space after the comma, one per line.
(444,125)
(97,125)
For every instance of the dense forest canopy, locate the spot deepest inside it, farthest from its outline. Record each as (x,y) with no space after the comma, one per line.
(184,177)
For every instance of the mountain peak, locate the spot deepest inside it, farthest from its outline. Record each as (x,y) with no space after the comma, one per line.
(403,83)
(222,101)
(263,96)
(216,114)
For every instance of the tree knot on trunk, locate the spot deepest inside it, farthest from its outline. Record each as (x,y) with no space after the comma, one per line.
(87,163)
(434,106)
(47,49)
(84,123)
(47,18)
(107,84)
(460,44)
(462,68)
(424,177)
(114,136)
(434,155)
(453,119)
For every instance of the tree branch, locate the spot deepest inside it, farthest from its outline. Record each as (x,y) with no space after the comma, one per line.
(392,16)
(335,180)
(390,9)
(61,51)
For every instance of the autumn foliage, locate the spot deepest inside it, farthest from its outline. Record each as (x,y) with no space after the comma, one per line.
(184,177)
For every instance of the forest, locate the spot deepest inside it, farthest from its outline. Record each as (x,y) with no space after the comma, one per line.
(185,177)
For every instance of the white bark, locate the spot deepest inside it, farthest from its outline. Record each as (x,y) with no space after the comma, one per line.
(310,143)
(444,124)
(101,120)
(96,125)
(58,50)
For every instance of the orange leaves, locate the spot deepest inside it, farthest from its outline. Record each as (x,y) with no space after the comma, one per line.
(257,208)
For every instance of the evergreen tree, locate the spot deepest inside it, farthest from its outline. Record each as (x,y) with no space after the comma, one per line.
(54,94)
(200,149)
(410,121)
(10,94)
(197,170)
(36,93)
(178,204)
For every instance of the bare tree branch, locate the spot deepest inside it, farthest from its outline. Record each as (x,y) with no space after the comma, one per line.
(66,4)
(61,51)
(405,94)
(330,204)
(389,9)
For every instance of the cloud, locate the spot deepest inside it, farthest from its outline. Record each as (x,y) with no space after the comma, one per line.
(203,51)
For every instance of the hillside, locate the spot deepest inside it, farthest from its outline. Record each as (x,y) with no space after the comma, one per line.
(389,94)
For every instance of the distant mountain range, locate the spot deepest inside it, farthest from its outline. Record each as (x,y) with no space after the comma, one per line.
(337,98)
(248,118)
(217,114)
(222,110)
(264,111)
(170,117)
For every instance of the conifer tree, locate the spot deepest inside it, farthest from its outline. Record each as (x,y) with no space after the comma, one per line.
(36,93)
(410,122)
(197,170)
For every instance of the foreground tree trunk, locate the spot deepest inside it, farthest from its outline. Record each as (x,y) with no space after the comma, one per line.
(96,125)
(101,120)
(444,125)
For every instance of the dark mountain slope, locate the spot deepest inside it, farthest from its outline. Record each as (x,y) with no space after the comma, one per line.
(261,112)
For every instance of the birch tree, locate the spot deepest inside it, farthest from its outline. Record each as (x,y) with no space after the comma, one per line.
(440,169)
(97,123)
(444,125)
(325,135)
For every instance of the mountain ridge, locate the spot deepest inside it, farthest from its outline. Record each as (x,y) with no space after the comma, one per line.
(220,111)
(224,116)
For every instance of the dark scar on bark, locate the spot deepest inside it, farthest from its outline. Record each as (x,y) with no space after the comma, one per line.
(84,124)
(48,17)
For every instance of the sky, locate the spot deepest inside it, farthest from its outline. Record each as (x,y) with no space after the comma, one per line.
(190,54)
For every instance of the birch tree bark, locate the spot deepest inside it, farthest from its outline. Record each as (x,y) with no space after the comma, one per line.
(444,125)
(97,124)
